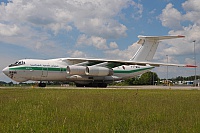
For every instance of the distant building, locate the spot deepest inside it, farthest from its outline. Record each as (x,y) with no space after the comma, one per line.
(184,82)
(197,82)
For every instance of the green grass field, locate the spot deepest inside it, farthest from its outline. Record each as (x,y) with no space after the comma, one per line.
(96,110)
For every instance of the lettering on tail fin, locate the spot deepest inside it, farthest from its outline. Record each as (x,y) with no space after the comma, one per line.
(149,46)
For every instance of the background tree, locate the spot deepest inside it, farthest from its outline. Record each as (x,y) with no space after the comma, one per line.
(148,78)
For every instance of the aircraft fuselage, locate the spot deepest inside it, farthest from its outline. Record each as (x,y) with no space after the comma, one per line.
(55,70)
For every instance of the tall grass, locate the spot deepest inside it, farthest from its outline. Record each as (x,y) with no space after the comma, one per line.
(38,110)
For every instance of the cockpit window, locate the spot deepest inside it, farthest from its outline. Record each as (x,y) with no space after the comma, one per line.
(17,63)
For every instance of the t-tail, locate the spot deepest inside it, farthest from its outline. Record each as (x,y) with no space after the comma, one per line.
(149,46)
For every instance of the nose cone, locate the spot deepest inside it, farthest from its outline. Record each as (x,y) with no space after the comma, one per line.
(6,71)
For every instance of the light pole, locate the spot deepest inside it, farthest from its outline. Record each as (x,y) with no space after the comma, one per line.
(167,71)
(195,77)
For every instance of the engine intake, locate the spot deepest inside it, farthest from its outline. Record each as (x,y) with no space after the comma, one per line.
(98,71)
(75,70)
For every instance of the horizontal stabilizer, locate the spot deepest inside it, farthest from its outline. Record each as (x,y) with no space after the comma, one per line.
(160,37)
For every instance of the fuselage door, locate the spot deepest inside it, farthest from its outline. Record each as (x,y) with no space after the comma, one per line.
(44,71)
(62,70)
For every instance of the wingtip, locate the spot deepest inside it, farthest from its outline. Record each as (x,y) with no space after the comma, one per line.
(181,36)
(193,66)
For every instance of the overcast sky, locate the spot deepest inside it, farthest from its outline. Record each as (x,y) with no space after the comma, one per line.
(44,29)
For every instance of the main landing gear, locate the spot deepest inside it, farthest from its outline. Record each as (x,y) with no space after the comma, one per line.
(100,85)
(42,84)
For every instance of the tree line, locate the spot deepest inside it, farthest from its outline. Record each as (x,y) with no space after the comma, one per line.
(148,78)
(151,78)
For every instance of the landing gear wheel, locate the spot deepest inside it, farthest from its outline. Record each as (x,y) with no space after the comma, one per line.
(102,85)
(79,85)
(42,84)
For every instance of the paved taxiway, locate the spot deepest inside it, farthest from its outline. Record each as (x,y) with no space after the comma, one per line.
(118,87)
(145,87)
(156,87)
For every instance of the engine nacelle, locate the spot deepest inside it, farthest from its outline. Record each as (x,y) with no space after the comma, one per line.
(75,70)
(98,71)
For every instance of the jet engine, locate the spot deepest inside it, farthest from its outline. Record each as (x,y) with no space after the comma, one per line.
(75,70)
(98,71)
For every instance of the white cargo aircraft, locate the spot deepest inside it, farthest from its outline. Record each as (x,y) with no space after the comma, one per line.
(89,72)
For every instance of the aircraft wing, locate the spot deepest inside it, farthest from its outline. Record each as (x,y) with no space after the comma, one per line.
(116,63)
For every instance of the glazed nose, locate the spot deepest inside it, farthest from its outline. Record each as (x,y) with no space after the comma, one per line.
(6,71)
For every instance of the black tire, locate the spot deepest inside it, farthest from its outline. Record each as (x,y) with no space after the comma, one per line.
(79,85)
(102,85)
(42,85)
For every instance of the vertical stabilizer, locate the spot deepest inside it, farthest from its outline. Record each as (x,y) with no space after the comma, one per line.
(149,46)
